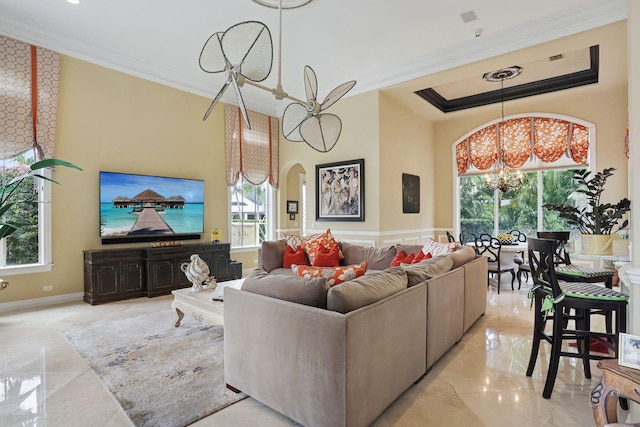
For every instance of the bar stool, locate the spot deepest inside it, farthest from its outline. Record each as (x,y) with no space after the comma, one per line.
(562,302)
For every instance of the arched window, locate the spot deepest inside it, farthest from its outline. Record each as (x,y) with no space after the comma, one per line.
(545,147)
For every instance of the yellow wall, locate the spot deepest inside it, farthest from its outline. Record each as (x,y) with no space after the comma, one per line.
(111,121)
(406,146)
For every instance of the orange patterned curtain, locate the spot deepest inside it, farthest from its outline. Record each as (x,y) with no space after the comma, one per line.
(251,152)
(483,147)
(522,139)
(516,141)
(626,142)
(16,121)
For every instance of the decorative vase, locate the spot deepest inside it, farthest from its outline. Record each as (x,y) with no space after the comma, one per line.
(596,244)
(197,272)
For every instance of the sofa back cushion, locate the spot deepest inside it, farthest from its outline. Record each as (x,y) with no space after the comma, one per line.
(377,258)
(424,270)
(272,254)
(461,256)
(302,290)
(366,290)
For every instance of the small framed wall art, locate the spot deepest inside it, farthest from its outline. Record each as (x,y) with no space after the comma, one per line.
(340,191)
(292,206)
(410,193)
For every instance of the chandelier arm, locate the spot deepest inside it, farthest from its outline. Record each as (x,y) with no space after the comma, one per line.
(277,92)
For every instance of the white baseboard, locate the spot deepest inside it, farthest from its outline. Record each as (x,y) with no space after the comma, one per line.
(33,303)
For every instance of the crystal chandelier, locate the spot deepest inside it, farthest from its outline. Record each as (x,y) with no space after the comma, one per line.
(502,177)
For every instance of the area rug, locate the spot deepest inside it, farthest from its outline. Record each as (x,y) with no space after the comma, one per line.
(159,374)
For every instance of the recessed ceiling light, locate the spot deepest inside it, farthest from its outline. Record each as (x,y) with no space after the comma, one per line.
(73,1)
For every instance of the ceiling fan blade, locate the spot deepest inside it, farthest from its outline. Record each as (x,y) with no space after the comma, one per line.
(335,95)
(216,99)
(321,132)
(236,89)
(249,46)
(310,83)
(212,58)
(293,116)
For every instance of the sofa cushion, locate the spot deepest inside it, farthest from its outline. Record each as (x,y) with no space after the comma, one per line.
(327,257)
(437,267)
(378,258)
(424,270)
(334,275)
(272,254)
(294,256)
(462,256)
(437,248)
(366,290)
(302,290)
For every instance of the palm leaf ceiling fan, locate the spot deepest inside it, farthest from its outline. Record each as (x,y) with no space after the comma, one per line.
(245,53)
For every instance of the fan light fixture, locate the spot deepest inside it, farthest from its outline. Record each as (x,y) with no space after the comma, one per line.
(245,53)
(502,177)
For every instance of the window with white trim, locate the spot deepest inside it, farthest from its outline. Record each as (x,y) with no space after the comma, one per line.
(251,216)
(27,249)
(547,148)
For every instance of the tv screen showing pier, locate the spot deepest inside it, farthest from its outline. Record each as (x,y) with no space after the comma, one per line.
(145,208)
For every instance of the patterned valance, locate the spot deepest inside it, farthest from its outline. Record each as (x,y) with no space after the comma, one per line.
(251,152)
(20,91)
(522,139)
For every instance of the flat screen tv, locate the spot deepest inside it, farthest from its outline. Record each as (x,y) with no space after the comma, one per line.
(144,208)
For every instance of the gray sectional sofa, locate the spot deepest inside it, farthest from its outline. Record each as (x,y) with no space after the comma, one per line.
(339,356)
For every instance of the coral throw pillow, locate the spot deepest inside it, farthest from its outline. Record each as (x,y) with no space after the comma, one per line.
(421,256)
(327,257)
(397,260)
(313,243)
(294,256)
(334,275)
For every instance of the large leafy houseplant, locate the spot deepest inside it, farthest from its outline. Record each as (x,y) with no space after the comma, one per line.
(596,217)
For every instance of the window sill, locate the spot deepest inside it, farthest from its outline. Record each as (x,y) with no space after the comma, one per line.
(25,269)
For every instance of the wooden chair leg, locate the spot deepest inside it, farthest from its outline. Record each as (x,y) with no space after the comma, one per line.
(538,326)
(556,347)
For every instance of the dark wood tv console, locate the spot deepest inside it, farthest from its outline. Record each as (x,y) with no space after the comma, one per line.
(118,274)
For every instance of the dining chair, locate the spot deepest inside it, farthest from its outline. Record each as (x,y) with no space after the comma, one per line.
(467,237)
(491,247)
(519,257)
(577,273)
(450,238)
(563,303)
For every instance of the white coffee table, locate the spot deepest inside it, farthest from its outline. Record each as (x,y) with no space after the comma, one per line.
(201,304)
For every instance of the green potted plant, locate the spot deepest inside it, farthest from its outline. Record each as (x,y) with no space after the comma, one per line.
(9,194)
(596,220)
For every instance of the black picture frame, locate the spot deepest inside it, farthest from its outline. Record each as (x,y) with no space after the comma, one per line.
(410,193)
(340,191)
(292,206)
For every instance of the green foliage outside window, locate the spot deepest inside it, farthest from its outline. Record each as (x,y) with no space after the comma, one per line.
(517,209)
(22,245)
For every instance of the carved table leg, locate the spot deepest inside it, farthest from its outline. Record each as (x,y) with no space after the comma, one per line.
(179,317)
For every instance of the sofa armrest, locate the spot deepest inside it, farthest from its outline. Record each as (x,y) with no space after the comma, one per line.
(349,367)
(445,310)
(476,278)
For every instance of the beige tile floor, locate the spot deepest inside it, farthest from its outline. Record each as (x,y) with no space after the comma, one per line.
(479,382)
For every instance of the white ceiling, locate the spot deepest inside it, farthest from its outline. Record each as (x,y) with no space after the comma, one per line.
(378,43)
